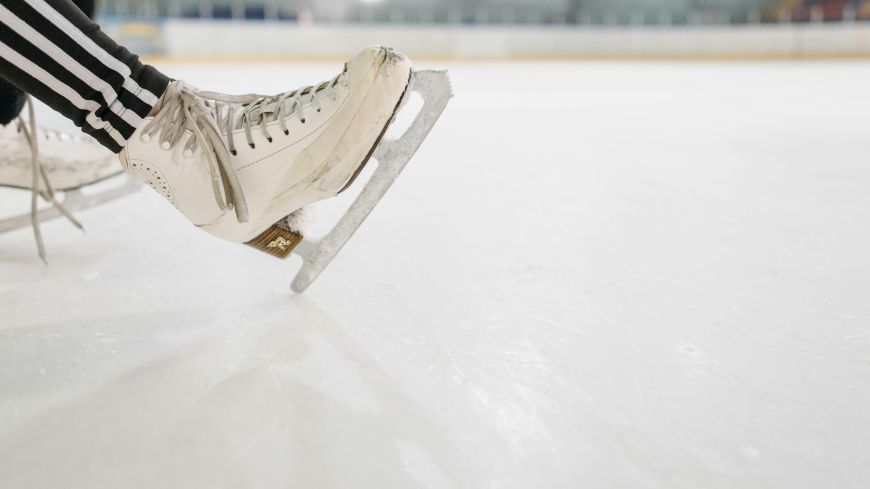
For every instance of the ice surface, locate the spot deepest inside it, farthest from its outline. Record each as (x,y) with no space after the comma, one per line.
(592,275)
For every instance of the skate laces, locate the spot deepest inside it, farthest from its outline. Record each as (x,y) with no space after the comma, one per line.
(31,133)
(258,111)
(184,111)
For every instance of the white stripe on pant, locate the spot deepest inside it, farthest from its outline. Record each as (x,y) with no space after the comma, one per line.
(64,90)
(110,61)
(53,51)
(74,67)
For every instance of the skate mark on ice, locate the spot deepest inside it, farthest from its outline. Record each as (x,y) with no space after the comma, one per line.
(576,331)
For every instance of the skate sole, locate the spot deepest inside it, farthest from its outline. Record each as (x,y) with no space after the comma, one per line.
(380,137)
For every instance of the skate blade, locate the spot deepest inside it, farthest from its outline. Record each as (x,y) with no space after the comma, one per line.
(74,201)
(392,156)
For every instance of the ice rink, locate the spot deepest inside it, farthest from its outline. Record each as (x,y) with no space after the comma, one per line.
(594,274)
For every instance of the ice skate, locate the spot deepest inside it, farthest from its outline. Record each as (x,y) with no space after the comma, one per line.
(238,166)
(44,161)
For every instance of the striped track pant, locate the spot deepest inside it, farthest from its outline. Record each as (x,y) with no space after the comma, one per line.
(53,51)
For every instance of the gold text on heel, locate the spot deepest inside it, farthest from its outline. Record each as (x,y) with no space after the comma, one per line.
(277,242)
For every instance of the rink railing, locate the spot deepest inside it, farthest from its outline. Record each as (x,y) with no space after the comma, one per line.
(475,13)
(237,40)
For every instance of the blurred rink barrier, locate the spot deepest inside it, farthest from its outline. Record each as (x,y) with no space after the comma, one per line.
(444,29)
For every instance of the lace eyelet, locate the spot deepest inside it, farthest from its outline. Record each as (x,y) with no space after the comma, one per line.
(318,110)
(286,132)
(234,153)
(253,146)
(303,121)
(269,139)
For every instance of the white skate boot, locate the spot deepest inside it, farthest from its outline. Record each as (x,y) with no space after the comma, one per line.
(45,161)
(238,166)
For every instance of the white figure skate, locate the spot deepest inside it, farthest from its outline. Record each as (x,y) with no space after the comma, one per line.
(44,162)
(238,166)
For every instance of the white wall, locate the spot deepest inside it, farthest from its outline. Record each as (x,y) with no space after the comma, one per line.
(209,38)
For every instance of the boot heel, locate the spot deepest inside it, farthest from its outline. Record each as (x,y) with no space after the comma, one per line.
(277,241)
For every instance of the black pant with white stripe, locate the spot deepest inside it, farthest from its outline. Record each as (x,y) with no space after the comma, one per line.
(53,51)
(11,98)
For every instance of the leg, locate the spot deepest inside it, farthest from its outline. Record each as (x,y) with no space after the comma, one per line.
(56,53)
(11,97)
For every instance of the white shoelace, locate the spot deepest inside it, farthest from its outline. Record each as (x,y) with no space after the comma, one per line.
(31,134)
(210,117)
